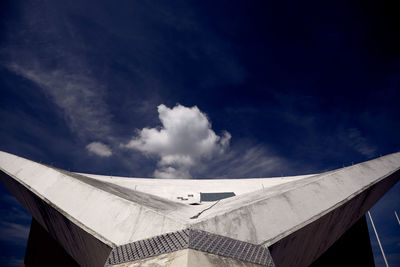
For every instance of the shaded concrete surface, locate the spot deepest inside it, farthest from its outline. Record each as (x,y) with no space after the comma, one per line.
(352,249)
(83,246)
(305,245)
(187,258)
(42,250)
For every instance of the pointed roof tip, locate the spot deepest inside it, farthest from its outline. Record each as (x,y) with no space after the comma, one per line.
(93,205)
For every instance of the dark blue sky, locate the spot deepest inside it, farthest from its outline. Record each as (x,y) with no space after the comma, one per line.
(301,88)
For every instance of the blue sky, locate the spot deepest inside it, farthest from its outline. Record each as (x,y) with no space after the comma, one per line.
(267,89)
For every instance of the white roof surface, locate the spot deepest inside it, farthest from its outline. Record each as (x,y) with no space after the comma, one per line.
(120,210)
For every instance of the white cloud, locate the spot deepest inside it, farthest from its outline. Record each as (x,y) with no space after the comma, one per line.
(184,139)
(99,149)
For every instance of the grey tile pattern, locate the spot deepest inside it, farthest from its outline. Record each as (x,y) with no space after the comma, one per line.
(149,247)
(228,247)
(194,239)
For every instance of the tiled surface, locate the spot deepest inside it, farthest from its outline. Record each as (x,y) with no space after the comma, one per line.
(194,239)
(228,247)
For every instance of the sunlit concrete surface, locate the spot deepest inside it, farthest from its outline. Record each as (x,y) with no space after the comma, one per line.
(187,257)
(106,220)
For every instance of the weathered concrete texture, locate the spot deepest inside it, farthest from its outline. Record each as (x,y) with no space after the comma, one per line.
(188,190)
(112,214)
(84,247)
(312,240)
(187,258)
(266,216)
(175,259)
(199,259)
(297,217)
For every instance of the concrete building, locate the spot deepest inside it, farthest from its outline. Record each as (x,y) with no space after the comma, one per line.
(93,220)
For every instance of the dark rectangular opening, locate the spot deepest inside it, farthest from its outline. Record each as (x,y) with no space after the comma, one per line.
(215,196)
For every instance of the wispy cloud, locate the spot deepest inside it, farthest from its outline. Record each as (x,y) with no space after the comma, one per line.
(245,160)
(353,138)
(79,96)
(15,223)
(14,232)
(60,69)
(184,139)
